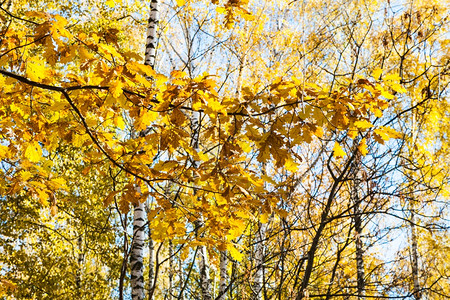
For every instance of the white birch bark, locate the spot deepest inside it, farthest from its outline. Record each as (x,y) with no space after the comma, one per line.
(152,28)
(205,280)
(137,253)
(137,246)
(223,275)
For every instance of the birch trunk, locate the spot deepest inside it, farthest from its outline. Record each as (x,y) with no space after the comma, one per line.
(152,28)
(150,54)
(223,275)
(137,246)
(205,280)
(137,253)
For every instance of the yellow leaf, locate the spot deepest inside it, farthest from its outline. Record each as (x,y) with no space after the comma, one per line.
(238,227)
(221,200)
(363,124)
(146,118)
(33,152)
(4,150)
(377,73)
(110,3)
(25,175)
(282,213)
(85,54)
(116,88)
(181,2)
(264,218)
(235,253)
(398,88)
(291,165)
(387,95)
(57,106)
(338,152)
(386,133)
(246,147)
(42,196)
(119,122)
(393,77)
(36,70)
(6,286)
(362,147)
(145,69)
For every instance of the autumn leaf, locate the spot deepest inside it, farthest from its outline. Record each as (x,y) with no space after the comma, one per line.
(377,73)
(33,152)
(4,151)
(110,3)
(234,252)
(338,152)
(36,70)
(362,147)
(116,88)
(290,165)
(110,198)
(363,124)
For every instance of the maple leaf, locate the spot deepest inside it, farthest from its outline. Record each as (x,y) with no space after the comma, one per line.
(33,152)
(363,124)
(338,152)
(234,252)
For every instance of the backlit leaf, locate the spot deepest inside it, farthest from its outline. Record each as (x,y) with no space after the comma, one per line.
(338,152)
(33,152)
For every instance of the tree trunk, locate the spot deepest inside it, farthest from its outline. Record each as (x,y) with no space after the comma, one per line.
(205,280)
(137,246)
(151,263)
(258,282)
(356,201)
(223,275)
(414,253)
(152,28)
(359,246)
(137,253)
(80,262)
(412,209)
(171,271)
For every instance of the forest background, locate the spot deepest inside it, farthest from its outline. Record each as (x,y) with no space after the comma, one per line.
(258,150)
